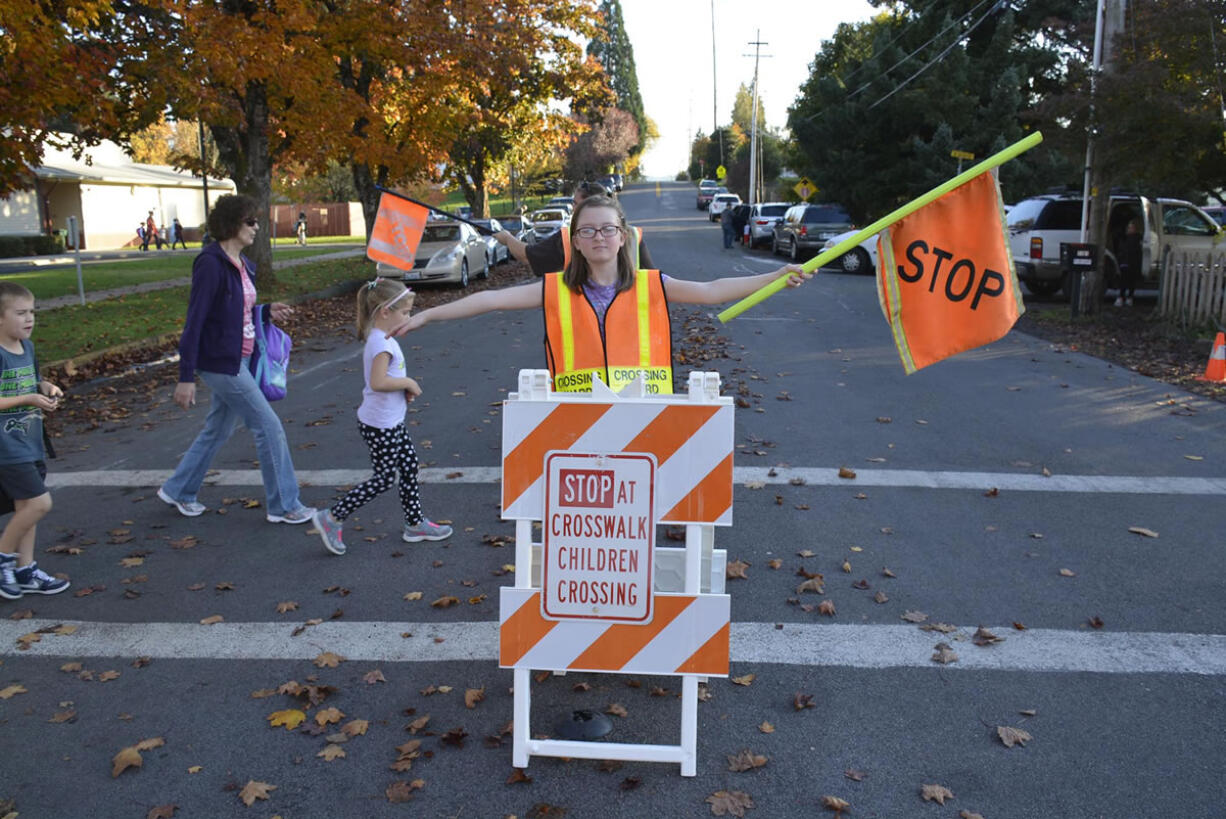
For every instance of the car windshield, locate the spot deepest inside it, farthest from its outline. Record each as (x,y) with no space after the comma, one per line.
(1060,214)
(441,233)
(773,210)
(827,214)
(1022,215)
(547,216)
(510,222)
(727,198)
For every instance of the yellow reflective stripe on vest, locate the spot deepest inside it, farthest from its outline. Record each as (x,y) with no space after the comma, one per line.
(566,320)
(643,290)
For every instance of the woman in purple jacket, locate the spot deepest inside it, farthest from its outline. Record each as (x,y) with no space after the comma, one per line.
(218,341)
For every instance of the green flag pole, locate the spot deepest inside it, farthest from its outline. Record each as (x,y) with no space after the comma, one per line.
(847,244)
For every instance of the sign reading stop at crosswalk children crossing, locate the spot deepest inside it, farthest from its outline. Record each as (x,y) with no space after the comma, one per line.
(599,534)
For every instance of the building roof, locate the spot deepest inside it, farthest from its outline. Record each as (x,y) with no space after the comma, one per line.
(107,163)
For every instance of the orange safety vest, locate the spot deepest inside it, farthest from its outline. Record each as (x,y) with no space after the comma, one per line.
(637,337)
(634,236)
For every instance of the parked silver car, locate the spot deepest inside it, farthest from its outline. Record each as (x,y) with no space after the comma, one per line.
(762,220)
(448,252)
(496,252)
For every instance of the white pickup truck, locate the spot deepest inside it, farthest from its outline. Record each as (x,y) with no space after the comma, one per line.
(1038,226)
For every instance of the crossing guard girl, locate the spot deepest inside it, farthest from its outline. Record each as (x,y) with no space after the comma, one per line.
(383,305)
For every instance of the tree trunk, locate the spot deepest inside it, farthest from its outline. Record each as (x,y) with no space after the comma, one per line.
(245,153)
(367,183)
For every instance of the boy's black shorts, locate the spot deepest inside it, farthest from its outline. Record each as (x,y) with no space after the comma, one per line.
(21,481)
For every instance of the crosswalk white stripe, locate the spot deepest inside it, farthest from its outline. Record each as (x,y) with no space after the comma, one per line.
(792,644)
(812,476)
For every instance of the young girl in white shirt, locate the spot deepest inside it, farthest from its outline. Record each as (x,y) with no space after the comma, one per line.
(383,305)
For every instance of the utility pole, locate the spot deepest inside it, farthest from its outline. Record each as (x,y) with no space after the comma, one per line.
(753,128)
(715,90)
(1096,191)
(204,175)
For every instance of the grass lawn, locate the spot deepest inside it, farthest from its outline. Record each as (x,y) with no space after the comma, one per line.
(50,282)
(73,331)
(289,241)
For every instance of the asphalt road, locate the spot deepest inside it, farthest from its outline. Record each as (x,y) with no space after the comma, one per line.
(1124,718)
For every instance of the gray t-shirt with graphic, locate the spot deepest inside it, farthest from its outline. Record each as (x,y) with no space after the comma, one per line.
(21,427)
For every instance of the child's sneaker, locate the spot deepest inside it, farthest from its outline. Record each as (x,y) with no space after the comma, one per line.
(426,530)
(1119,301)
(34,580)
(10,589)
(330,530)
(300,515)
(188,509)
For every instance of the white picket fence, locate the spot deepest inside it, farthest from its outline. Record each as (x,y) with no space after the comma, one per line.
(1194,287)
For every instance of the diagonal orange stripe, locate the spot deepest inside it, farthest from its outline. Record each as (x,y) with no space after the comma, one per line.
(712,658)
(706,501)
(522,630)
(557,430)
(669,430)
(618,645)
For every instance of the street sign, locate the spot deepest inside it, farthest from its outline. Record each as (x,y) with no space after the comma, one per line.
(599,534)
(804,189)
(721,172)
(962,155)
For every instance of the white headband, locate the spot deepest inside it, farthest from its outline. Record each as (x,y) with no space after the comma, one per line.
(394,299)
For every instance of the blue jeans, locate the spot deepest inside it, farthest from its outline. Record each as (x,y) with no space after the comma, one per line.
(729,235)
(238,398)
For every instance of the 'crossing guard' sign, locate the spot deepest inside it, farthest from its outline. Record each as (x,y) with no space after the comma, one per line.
(599,535)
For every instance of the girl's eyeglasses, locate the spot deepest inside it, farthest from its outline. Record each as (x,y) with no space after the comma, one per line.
(607,231)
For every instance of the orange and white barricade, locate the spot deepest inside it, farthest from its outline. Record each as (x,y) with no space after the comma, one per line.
(599,471)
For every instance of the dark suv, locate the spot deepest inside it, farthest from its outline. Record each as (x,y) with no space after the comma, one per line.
(805,228)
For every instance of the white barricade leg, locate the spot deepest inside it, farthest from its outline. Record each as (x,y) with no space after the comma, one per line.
(689,725)
(519,715)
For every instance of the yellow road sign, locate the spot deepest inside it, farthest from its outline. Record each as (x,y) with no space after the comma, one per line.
(721,172)
(804,189)
(962,155)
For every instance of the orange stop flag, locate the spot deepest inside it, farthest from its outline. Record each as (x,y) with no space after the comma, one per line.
(945,276)
(397,231)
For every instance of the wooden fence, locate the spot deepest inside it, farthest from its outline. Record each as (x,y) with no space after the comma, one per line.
(1194,287)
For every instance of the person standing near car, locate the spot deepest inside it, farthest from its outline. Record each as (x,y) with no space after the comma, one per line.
(553,254)
(727,224)
(1130,263)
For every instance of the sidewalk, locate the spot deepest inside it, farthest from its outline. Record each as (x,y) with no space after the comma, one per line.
(102,295)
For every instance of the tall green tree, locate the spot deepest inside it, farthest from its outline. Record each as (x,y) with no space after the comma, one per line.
(888,99)
(611,48)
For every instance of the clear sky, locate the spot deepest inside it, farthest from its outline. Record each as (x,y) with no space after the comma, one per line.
(672,52)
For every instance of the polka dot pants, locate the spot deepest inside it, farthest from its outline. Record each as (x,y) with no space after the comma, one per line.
(391,451)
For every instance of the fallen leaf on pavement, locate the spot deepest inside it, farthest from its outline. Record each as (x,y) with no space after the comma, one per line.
(801,701)
(1011,736)
(1141,530)
(936,793)
(835,804)
(288,605)
(616,709)
(328,660)
(328,716)
(983,637)
(255,790)
(373,676)
(127,758)
(355,727)
(744,680)
(736,569)
(944,654)
(855,775)
(729,803)
(331,752)
(914,616)
(291,718)
(212,620)
(826,608)
(766,728)
(845,472)
(162,812)
(12,691)
(746,760)
(473,696)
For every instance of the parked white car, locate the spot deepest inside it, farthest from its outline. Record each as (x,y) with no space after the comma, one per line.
(720,203)
(762,220)
(496,252)
(860,259)
(546,221)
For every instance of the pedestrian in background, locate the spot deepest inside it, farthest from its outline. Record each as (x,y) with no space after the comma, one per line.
(383,305)
(219,341)
(176,234)
(23,400)
(1130,263)
(727,223)
(151,233)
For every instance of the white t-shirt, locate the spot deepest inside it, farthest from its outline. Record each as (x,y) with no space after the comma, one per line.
(382,409)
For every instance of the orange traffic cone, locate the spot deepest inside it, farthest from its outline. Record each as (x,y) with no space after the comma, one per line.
(1215,370)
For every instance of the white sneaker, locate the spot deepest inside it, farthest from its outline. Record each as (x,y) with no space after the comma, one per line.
(1128,301)
(300,515)
(188,509)
(1119,301)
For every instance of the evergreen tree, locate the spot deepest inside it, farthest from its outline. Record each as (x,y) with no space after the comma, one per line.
(613,51)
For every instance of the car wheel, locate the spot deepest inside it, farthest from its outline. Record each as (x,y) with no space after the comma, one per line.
(856,260)
(1044,288)
(775,245)
(795,251)
(463,273)
(485,274)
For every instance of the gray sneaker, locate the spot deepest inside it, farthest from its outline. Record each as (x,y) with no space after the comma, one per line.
(330,531)
(300,515)
(426,530)
(189,509)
